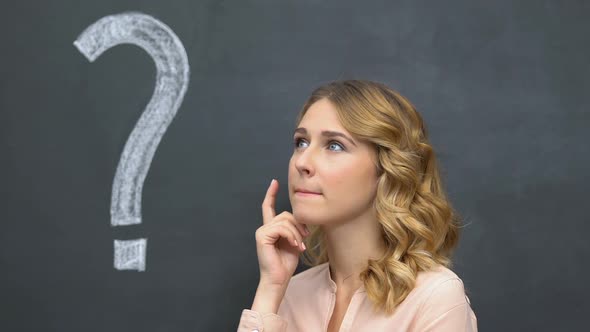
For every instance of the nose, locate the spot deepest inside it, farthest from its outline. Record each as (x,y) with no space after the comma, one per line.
(304,161)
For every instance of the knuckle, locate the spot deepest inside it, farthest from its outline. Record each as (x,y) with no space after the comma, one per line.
(277,227)
(287,230)
(287,222)
(288,226)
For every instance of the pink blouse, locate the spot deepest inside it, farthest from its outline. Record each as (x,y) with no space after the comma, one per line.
(437,303)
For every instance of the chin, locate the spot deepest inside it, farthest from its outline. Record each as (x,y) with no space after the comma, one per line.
(308,218)
(304,217)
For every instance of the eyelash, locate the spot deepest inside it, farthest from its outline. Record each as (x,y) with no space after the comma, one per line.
(298,139)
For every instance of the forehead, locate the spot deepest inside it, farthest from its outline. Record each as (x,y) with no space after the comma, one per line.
(321,115)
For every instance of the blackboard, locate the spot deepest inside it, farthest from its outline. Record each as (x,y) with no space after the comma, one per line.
(502,85)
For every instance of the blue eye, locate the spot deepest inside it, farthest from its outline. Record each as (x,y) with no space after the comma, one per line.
(297,141)
(335,143)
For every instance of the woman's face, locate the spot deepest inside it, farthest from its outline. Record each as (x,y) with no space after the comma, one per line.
(328,161)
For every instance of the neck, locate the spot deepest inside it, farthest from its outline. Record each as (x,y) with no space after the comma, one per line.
(350,245)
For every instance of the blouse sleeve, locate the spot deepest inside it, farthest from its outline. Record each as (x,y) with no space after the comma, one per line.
(254,321)
(447,309)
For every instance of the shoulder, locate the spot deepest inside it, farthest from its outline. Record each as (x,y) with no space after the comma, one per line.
(440,284)
(442,301)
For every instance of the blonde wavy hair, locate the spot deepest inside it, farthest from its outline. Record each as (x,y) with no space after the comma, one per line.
(419,226)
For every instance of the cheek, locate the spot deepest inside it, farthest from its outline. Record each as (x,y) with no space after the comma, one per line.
(353,182)
(346,174)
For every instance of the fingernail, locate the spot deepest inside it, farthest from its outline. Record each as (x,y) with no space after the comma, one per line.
(303,245)
(271,181)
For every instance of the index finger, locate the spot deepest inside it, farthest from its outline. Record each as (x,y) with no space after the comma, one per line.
(268,205)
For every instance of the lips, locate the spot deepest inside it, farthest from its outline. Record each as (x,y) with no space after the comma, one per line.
(306,191)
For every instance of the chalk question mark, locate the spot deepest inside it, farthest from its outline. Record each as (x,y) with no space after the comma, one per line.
(172,77)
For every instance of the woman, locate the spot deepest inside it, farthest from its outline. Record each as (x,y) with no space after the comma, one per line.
(370,217)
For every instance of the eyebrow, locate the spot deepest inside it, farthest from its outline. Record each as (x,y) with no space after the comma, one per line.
(327,133)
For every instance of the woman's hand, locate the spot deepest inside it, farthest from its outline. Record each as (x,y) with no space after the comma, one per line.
(279,241)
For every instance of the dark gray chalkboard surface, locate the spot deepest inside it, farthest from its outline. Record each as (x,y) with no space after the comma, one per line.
(502,85)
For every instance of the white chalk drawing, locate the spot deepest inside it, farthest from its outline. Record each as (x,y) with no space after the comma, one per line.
(130,254)
(172,77)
